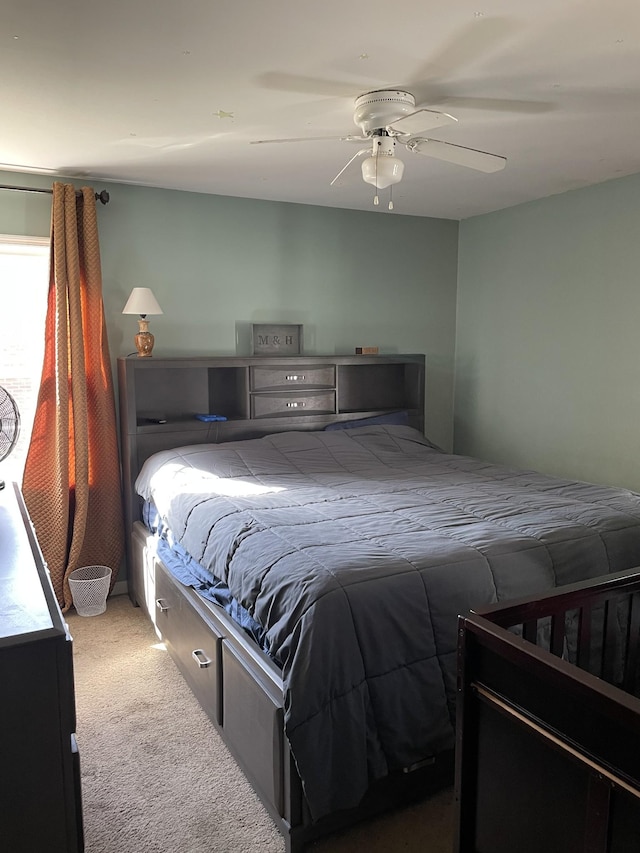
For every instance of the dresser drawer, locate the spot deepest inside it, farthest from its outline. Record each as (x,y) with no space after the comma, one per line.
(280,405)
(283,378)
(194,644)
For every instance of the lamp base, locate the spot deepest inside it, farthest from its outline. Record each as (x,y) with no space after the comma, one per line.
(144,339)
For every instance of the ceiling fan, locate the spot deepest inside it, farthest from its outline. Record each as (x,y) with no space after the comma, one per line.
(388,117)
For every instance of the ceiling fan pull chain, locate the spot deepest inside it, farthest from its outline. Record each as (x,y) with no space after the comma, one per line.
(376,200)
(391,197)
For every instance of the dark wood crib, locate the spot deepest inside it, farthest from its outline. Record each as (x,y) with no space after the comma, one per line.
(548,730)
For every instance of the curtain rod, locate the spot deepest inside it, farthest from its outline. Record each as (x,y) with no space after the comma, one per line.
(102,196)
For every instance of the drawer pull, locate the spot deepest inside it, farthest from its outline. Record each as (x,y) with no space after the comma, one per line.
(200,658)
(295,377)
(296,405)
(162,605)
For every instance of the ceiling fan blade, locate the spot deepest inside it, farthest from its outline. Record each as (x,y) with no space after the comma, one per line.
(421,120)
(476,41)
(163,143)
(284,82)
(471,157)
(344,168)
(496,104)
(348,138)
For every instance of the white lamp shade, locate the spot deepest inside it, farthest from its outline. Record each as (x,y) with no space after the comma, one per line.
(382,170)
(142,301)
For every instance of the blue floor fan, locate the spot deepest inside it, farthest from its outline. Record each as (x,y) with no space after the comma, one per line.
(9,425)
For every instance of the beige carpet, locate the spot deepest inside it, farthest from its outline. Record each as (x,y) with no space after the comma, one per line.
(157,777)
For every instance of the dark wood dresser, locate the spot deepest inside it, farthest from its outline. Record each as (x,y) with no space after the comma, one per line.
(39,763)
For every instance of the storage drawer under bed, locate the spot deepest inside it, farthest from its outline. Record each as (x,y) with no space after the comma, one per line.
(194,643)
(237,686)
(254,725)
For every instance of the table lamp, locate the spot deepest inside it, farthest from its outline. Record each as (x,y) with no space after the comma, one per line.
(142,302)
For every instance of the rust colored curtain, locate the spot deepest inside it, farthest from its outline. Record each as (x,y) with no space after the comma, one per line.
(71,482)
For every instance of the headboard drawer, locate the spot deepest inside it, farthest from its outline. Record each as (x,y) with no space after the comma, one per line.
(284,378)
(285,404)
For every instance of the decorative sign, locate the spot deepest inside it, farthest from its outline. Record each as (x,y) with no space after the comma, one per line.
(276,339)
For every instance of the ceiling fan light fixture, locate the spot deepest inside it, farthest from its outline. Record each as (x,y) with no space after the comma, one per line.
(383,168)
(382,171)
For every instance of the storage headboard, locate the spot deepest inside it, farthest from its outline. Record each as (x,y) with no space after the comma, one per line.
(258,395)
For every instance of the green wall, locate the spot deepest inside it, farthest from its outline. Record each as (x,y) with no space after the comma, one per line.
(218,264)
(547,349)
(548,302)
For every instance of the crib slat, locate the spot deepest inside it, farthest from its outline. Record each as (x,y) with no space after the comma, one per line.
(530,631)
(607,665)
(633,642)
(584,637)
(558,622)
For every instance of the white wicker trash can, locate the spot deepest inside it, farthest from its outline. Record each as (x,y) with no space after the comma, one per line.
(89,589)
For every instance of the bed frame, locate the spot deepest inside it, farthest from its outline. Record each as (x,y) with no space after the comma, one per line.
(548,728)
(237,685)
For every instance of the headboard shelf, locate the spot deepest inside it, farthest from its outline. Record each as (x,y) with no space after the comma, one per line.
(258,395)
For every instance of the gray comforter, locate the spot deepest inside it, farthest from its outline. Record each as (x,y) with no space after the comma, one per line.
(356,551)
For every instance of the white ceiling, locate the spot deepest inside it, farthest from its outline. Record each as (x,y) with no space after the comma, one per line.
(169,93)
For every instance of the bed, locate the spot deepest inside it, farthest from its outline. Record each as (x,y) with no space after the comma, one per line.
(315,609)
(549,722)
(355,550)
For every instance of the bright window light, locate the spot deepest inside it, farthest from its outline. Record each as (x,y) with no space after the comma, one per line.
(24,283)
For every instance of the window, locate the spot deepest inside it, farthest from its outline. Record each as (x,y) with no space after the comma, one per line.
(24,283)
